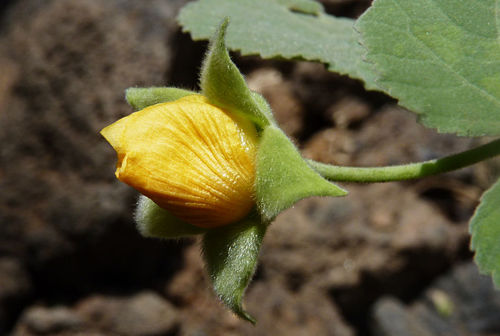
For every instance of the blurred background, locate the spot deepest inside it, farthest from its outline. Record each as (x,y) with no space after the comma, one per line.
(388,260)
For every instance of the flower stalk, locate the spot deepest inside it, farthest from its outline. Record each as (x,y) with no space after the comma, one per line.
(408,171)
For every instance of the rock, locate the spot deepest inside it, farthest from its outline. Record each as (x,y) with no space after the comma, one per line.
(381,238)
(141,314)
(463,302)
(278,92)
(349,111)
(144,314)
(15,288)
(404,141)
(44,320)
(64,216)
(341,245)
(333,146)
(392,319)
(328,254)
(305,311)
(278,308)
(323,94)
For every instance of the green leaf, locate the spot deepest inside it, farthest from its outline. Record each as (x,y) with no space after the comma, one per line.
(140,98)
(485,230)
(223,84)
(153,221)
(230,254)
(283,177)
(280,29)
(440,58)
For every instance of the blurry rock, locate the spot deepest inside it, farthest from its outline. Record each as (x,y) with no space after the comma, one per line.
(339,243)
(144,314)
(15,287)
(333,146)
(475,301)
(43,320)
(62,211)
(4,5)
(318,89)
(460,303)
(381,238)
(326,259)
(65,66)
(278,308)
(278,92)
(402,140)
(9,77)
(306,311)
(348,111)
(200,312)
(188,282)
(393,320)
(330,99)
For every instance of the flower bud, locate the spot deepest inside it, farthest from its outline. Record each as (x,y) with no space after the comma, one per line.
(190,157)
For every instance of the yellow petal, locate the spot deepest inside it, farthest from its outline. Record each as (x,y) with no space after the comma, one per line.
(190,158)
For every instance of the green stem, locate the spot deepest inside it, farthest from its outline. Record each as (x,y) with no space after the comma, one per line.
(407,171)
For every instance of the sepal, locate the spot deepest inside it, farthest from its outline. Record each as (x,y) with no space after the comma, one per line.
(224,86)
(230,254)
(284,177)
(264,107)
(140,98)
(153,221)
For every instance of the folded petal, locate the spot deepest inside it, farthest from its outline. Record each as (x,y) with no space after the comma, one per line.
(189,157)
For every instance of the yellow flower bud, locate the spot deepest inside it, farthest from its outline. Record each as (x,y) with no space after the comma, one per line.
(190,157)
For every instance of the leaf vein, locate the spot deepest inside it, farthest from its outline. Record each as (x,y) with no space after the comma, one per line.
(452,71)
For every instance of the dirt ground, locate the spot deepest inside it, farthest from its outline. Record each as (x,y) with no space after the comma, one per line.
(387,260)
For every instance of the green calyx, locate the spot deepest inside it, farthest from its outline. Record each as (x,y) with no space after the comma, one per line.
(224,86)
(230,255)
(153,221)
(283,177)
(140,98)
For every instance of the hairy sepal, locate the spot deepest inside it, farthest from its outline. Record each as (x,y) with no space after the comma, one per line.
(140,98)
(154,221)
(230,254)
(284,177)
(224,86)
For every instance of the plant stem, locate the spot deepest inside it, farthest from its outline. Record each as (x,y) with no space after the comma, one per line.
(407,171)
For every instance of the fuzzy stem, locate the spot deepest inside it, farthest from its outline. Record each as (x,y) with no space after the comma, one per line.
(407,171)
